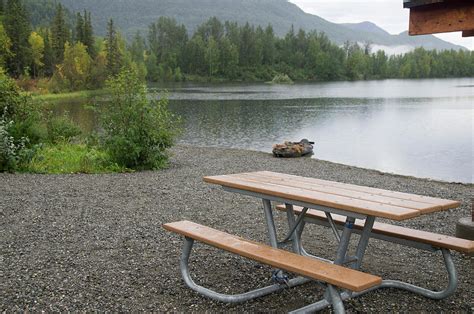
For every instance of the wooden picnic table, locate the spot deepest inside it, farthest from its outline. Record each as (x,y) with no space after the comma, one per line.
(352,202)
(331,204)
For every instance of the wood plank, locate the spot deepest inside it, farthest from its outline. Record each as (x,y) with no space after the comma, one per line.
(314,186)
(415,3)
(316,198)
(468,33)
(438,203)
(443,17)
(434,239)
(333,274)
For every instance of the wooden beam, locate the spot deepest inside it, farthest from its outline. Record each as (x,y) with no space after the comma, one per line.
(468,33)
(442,17)
(416,3)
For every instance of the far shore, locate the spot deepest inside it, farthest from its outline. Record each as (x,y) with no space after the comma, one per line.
(72,96)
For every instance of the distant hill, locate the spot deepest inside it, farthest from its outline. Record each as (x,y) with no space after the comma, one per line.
(366,26)
(135,15)
(402,39)
(42,12)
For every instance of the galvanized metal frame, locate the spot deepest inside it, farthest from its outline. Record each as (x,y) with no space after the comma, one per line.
(437,295)
(332,296)
(366,234)
(229,298)
(414,244)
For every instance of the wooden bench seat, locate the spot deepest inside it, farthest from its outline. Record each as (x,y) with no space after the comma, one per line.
(308,267)
(433,239)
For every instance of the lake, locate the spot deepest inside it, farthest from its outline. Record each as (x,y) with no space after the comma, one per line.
(422,128)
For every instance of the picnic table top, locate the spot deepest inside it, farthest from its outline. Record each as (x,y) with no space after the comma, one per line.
(349,197)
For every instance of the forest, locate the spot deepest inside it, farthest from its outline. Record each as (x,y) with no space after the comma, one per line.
(62,53)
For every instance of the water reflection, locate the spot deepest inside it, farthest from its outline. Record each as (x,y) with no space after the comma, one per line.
(422,128)
(420,137)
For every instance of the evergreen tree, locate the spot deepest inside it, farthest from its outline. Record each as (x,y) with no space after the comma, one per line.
(60,35)
(167,40)
(98,74)
(212,28)
(48,58)
(268,46)
(137,48)
(18,30)
(114,55)
(195,52)
(229,58)
(248,46)
(88,33)
(79,30)
(212,57)
(153,72)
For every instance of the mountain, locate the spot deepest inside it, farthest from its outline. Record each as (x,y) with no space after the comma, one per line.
(402,39)
(42,12)
(366,26)
(136,15)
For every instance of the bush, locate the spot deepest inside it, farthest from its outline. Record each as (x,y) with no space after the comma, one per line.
(282,79)
(137,131)
(10,150)
(21,125)
(19,108)
(62,129)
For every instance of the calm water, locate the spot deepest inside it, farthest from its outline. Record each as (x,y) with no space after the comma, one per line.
(422,128)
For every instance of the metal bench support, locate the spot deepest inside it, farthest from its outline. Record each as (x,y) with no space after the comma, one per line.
(437,295)
(365,235)
(230,298)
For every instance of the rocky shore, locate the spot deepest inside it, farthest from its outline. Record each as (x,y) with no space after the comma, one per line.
(95,242)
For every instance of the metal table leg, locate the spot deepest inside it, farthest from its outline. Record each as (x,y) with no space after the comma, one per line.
(364,240)
(272,236)
(333,297)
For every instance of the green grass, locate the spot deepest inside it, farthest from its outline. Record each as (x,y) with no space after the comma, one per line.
(71,158)
(85,94)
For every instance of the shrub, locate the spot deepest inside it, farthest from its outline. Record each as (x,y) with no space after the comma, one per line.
(62,129)
(19,109)
(282,79)
(137,131)
(21,125)
(10,150)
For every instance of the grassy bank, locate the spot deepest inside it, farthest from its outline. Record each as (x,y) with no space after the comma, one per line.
(63,158)
(78,95)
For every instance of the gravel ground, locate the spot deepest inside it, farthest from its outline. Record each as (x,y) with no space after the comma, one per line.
(95,242)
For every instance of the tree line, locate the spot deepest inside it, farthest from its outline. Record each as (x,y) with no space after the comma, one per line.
(59,56)
(70,57)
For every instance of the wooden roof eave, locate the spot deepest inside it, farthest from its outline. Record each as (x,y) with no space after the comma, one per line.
(440,16)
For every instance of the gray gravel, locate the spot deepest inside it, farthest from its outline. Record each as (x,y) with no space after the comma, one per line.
(95,242)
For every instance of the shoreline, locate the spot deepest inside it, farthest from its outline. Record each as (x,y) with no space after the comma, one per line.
(95,242)
(381,172)
(71,96)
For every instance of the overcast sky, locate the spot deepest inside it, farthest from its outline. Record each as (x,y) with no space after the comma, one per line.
(388,14)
